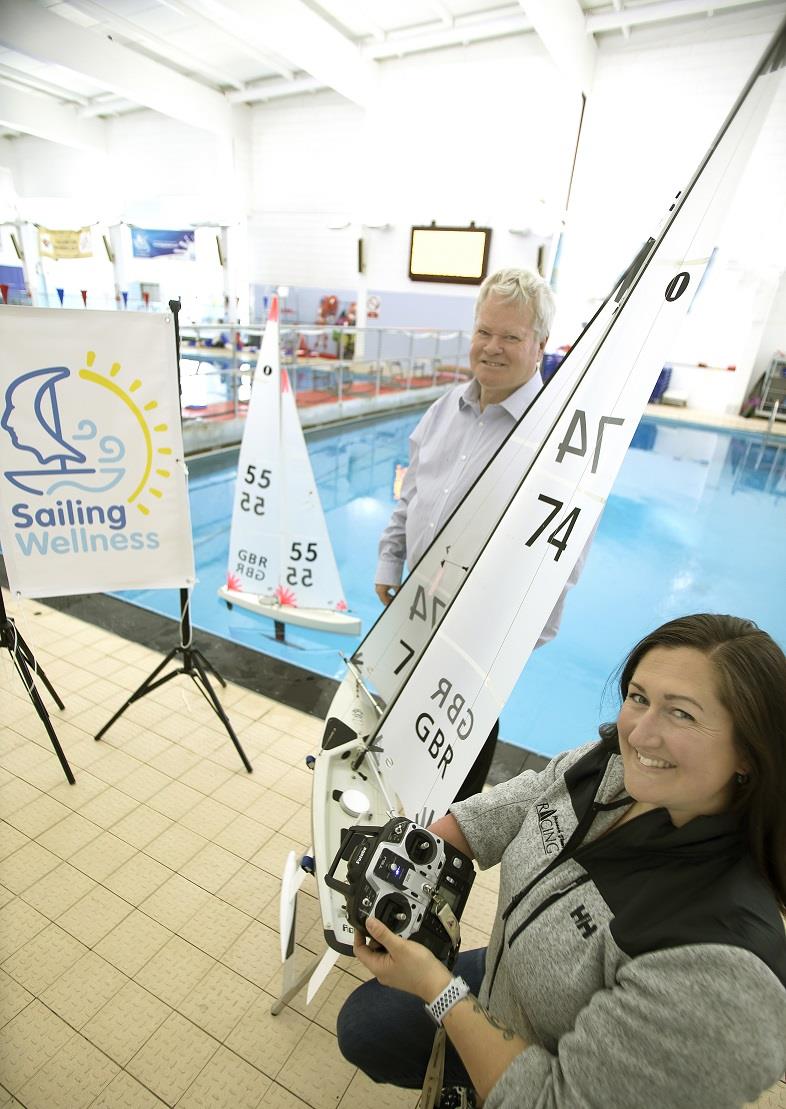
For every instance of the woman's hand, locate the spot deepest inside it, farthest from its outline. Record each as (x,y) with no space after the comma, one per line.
(404,964)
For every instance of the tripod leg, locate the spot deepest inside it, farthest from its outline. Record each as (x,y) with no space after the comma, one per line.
(21,665)
(141,690)
(196,664)
(208,666)
(29,658)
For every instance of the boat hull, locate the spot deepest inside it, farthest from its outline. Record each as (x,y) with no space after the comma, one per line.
(352,718)
(318,619)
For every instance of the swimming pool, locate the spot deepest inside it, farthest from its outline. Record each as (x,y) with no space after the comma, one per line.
(696,522)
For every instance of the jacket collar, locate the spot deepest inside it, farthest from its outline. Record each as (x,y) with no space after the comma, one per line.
(654,831)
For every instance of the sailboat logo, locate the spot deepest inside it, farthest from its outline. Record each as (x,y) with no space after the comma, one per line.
(60,453)
(35,393)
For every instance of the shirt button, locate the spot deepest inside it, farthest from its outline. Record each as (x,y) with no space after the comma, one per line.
(463,458)
(431,525)
(446,490)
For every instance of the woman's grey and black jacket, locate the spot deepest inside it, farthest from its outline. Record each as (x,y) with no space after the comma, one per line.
(647,967)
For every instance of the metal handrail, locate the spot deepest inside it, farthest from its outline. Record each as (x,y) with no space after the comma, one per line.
(397,363)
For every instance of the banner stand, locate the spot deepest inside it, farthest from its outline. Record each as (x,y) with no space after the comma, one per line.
(28,669)
(194,664)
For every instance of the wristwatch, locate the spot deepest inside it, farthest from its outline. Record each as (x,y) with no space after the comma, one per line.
(455,991)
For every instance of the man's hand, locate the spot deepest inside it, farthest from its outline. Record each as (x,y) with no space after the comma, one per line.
(404,964)
(386,593)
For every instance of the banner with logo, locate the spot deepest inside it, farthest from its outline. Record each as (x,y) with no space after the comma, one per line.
(147,243)
(65,244)
(93,488)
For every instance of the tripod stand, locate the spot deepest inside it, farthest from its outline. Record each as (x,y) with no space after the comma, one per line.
(196,666)
(28,669)
(194,663)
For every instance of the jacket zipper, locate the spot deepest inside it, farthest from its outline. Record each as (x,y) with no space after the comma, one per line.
(556,896)
(568,851)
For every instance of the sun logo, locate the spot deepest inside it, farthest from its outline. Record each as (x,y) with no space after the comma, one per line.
(153,467)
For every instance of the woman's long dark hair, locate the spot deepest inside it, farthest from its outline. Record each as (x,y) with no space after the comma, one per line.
(750,670)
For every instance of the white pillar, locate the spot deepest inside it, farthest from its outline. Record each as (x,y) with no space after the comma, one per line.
(34,270)
(119,242)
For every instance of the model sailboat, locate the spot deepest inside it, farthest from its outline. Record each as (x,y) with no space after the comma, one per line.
(281,563)
(425,686)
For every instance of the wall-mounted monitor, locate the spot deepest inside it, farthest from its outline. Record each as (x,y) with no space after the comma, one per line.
(450,254)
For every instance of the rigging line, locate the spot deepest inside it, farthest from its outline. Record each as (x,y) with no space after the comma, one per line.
(619,286)
(386,612)
(436,629)
(538,452)
(776,49)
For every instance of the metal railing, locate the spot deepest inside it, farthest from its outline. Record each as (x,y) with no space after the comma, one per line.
(326,364)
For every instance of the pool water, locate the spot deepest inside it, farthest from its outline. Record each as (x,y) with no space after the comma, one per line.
(696,523)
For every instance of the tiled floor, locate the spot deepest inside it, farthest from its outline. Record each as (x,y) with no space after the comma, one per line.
(139,947)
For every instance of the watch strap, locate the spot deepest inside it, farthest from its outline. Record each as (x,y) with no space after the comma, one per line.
(455,991)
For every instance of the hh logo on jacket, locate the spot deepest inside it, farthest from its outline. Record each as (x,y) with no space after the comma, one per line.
(583,921)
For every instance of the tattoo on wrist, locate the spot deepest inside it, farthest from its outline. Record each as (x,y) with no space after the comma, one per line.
(507,1033)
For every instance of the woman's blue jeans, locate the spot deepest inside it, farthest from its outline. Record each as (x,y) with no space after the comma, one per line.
(389,1034)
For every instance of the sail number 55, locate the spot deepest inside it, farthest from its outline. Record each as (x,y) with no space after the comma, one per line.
(250,502)
(299,551)
(261,480)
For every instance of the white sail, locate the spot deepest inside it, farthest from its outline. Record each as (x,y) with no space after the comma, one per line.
(446,653)
(433,730)
(281,560)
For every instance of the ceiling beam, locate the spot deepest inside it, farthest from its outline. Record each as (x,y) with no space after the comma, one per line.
(291,30)
(205,11)
(18,77)
(657,13)
(38,115)
(109,23)
(464,31)
(561,27)
(35,31)
(275,89)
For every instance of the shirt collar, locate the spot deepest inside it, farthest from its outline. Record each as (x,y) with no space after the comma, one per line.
(515,405)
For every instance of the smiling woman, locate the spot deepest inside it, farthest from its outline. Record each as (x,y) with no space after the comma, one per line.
(706,695)
(665,918)
(677,738)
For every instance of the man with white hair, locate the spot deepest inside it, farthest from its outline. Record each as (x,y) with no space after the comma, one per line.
(460,433)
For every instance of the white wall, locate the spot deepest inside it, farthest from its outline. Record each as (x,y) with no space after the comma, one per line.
(466,134)
(484,133)
(655,107)
(153,172)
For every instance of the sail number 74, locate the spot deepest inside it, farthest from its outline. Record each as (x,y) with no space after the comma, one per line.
(578,423)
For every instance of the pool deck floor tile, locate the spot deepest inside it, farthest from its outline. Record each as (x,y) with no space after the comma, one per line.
(139,920)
